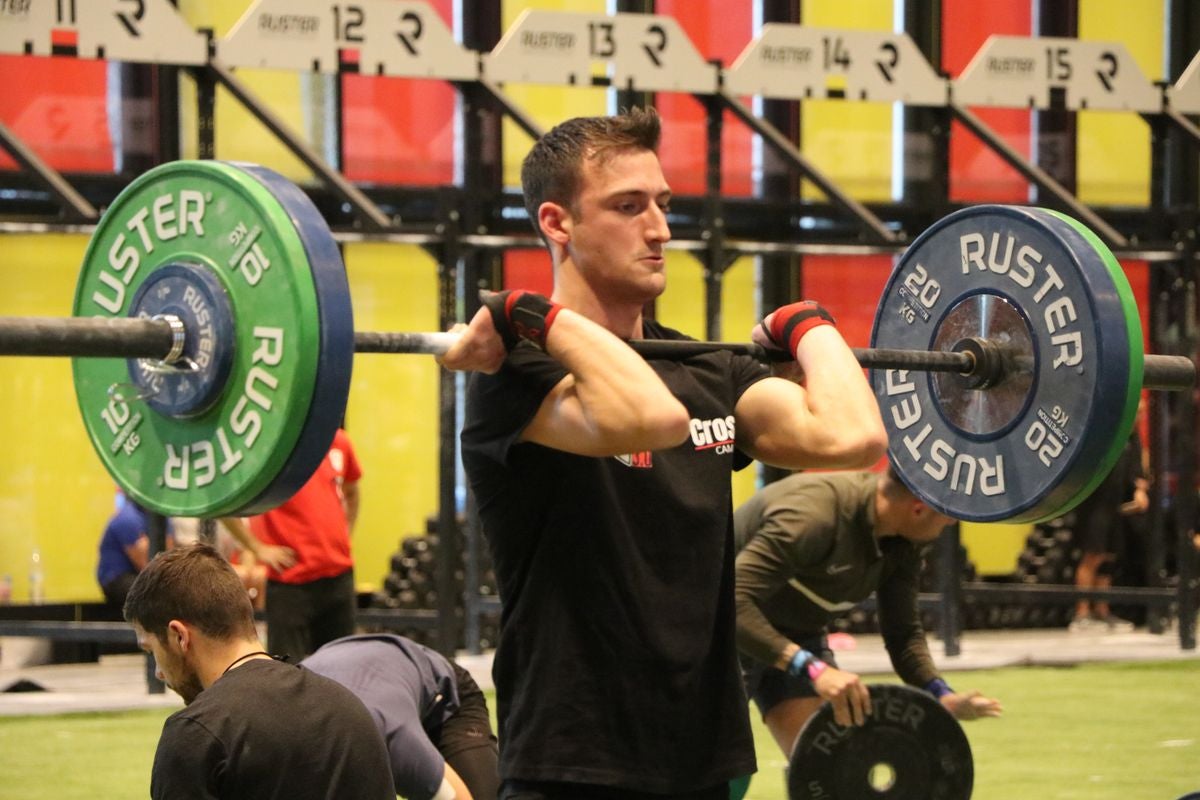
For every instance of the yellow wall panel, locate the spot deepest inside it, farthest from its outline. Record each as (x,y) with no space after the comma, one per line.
(739,315)
(239,136)
(994,546)
(54,494)
(1113,149)
(850,142)
(392,416)
(681,307)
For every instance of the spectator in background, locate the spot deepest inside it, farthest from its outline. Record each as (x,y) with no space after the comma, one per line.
(429,709)
(124,550)
(305,545)
(1100,524)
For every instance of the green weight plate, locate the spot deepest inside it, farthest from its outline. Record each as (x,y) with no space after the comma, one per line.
(1137,361)
(218,218)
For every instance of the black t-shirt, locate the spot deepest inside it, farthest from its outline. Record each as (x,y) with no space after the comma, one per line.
(617,659)
(272,730)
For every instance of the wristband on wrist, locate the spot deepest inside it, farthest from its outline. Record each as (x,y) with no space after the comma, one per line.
(518,314)
(791,322)
(805,663)
(938,688)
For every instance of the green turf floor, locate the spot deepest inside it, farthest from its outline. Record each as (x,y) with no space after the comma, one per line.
(1094,732)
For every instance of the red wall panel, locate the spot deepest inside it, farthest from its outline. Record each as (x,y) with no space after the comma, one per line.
(850,288)
(976,173)
(529,269)
(399,130)
(719,31)
(57,106)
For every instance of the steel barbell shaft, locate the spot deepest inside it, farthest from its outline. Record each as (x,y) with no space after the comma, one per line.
(124,337)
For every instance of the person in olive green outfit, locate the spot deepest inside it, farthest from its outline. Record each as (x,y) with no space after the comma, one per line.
(812,546)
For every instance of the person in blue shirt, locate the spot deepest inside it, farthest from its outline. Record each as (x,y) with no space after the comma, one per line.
(124,550)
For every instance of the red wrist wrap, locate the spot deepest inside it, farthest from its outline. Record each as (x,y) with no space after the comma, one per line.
(791,322)
(518,314)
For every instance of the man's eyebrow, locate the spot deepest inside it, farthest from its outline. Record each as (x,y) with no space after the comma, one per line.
(633,192)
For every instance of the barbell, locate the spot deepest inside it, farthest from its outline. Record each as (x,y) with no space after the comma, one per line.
(213,339)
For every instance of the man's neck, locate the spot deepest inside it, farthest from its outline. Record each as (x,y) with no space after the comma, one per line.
(226,656)
(623,320)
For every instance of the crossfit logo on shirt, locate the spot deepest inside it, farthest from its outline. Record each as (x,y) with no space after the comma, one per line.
(713,434)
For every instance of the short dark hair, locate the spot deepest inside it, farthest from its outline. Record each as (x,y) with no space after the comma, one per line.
(552,169)
(891,483)
(193,584)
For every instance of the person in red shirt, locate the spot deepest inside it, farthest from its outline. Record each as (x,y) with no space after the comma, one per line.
(305,545)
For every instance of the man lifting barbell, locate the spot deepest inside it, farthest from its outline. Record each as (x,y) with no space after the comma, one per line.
(814,545)
(603,485)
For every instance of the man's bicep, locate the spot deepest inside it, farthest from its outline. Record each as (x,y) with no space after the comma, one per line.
(771,416)
(562,423)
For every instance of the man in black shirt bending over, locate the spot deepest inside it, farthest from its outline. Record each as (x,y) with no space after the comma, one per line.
(253,727)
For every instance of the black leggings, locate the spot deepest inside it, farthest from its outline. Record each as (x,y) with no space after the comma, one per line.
(467,741)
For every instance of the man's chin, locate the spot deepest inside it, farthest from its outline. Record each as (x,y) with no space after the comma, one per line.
(188,692)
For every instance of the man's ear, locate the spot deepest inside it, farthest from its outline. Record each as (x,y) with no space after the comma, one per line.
(179,634)
(555,223)
(920,509)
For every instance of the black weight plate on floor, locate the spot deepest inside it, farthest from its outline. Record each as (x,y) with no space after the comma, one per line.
(910,748)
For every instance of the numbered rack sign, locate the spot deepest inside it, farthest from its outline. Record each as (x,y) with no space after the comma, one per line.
(142,31)
(1184,96)
(797,62)
(642,52)
(375,37)
(1045,72)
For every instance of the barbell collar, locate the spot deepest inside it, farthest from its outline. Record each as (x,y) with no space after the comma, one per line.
(124,337)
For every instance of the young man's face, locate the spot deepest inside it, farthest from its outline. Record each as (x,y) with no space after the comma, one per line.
(618,227)
(170,663)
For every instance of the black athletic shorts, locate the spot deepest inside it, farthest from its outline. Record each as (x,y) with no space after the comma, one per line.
(768,686)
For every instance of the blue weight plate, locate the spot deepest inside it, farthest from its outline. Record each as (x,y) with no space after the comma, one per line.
(328,407)
(1030,282)
(192,293)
